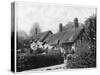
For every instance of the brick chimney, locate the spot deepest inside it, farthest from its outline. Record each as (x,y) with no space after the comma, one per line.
(76,22)
(60,27)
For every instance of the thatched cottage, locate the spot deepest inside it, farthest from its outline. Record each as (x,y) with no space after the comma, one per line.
(42,36)
(65,39)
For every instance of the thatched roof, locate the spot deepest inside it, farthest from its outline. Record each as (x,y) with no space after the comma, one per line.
(41,36)
(64,36)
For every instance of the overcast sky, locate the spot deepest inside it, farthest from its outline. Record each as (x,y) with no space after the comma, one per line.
(48,15)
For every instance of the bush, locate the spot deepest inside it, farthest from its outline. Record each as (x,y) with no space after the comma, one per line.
(86,51)
(27,61)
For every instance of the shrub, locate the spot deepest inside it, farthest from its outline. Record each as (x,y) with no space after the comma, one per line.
(86,51)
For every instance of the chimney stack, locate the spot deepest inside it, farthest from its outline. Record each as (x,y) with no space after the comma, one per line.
(60,27)
(76,22)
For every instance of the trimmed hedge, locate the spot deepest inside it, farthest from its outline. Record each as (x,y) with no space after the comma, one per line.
(31,61)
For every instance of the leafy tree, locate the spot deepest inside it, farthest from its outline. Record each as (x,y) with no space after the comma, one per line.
(21,38)
(35,29)
(86,51)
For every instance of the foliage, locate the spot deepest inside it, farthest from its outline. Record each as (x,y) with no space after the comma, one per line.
(86,50)
(35,29)
(27,60)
